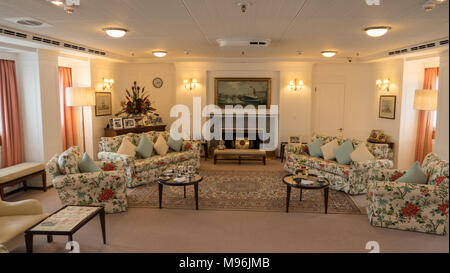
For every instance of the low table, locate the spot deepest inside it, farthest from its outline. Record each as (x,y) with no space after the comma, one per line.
(240,154)
(169,181)
(19,173)
(294,181)
(66,221)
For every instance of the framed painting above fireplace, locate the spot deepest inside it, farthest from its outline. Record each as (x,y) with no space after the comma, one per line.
(242,91)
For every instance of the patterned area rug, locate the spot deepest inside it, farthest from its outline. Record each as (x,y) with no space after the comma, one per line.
(253,190)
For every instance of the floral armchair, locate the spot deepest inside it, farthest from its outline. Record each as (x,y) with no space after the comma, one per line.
(352,178)
(407,206)
(106,188)
(141,171)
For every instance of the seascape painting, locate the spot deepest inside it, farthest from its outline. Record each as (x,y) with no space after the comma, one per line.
(242,91)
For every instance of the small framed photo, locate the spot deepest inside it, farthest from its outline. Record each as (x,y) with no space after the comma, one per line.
(117,123)
(147,121)
(129,123)
(387,107)
(295,139)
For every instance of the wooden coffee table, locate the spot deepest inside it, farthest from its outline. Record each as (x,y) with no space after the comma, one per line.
(294,181)
(66,221)
(169,181)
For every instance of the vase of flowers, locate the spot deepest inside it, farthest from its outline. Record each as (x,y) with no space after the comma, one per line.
(137,104)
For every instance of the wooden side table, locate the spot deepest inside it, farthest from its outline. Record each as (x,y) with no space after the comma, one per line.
(282,148)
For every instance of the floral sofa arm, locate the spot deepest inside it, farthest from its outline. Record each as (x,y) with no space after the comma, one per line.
(128,161)
(297,148)
(98,188)
(190,145)
(371,164)
(378,174)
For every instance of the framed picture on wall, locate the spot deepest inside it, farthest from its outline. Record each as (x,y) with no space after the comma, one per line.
(103,105)
(242,91)
(387,107)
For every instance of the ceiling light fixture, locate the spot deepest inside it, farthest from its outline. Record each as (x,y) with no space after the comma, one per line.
(57,3)
(328,53)
(159,53)
(377,31)
(115,32)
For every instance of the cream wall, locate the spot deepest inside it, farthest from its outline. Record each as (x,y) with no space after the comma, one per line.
(294,107)
(362,95)
(442,122)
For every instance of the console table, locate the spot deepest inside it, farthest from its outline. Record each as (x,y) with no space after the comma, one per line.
(110,132)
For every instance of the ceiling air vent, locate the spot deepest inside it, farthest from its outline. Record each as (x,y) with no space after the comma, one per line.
(416,48)
(28,21)
(243,43)
(49,41)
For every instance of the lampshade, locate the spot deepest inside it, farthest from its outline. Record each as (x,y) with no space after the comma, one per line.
(80,96)
(426,100)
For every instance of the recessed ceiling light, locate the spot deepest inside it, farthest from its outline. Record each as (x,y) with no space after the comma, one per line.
(377,31)
(115,32)
(328,53)
(159,53)
(57,3)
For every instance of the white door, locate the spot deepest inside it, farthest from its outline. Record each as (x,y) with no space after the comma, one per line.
(330,105)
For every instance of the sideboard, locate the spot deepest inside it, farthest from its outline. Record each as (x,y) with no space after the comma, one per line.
(110,132)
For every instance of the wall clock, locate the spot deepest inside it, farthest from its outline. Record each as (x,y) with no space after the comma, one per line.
(157,82)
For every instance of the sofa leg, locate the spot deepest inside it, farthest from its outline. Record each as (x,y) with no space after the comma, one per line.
(44,180)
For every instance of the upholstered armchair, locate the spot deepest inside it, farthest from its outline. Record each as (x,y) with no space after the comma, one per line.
(407,206)
(106,188)
(15,218)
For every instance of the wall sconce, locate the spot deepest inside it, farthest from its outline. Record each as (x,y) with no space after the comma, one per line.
(294,85)
(107,84)
(383,85)
(190,84)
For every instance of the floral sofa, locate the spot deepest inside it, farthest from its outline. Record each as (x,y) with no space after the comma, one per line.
(143,171)
(407,206)
(351,178)
(106,188)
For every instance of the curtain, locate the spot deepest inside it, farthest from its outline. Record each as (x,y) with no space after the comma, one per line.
(11,122)
(69,134)
(425,128)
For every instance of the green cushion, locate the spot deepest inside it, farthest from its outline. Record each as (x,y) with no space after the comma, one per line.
(175,144)
(145,147)
(343,152)
(87,165)
(314,148)
(414,175)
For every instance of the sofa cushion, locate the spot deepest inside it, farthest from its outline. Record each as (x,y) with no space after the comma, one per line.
(161,146)
(314,148)
(68,160)
(361,154)
(322,165)
(127,148)
(342,153)
(328,149)
(175,144)
(87,165)
(145,147)
(414,175)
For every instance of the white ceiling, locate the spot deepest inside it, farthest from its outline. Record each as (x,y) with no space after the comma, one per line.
(176,25)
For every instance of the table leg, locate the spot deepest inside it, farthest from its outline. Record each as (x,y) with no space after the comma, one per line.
(103,223)
(196,195)
(44,181)
(70,238)
(160,187)
(325,192)
(288,196)
(49,238)
(301,194)
(29,242)
(184,191)
(282,153)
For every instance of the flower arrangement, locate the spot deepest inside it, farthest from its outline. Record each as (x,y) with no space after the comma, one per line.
(137,103)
